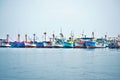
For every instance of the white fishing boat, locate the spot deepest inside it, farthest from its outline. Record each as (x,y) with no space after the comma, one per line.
(47,44)
(30,45)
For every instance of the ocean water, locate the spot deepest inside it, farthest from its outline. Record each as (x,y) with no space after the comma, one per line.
(59,64)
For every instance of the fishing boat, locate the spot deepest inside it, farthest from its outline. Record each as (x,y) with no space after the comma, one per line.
(34,43)
(79,43)
(58,43)
(68,44)
(17,44)
(114,42)
(92,42)
(6,45)
(100,43)
(39,44)
(47,44)
(113,45)
(88,42)
(30,44)
(5,42)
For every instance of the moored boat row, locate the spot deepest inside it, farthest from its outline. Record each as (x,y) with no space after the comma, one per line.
(55,42)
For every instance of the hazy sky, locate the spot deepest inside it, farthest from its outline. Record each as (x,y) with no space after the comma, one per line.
(39,16)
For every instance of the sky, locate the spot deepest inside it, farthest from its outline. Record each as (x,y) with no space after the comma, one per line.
(53,16)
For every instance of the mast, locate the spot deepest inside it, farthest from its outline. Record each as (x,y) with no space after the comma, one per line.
(93,35)
(18,37)
(45,35)
(33,38)
(53,37)
(61,34)
(7,38)
(105,36)
(83,34)
(72,35)
(26,38)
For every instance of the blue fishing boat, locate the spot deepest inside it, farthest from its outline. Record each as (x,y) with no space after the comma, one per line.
(89,44)
(114,45)
(114,42)
(17,44)
(68,45)
(39,44)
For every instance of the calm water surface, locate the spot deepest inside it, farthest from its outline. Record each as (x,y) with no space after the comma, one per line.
(59,64)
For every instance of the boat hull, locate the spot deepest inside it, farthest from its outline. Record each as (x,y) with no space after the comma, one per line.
(40,45)
(79,45)
(17,44)
(29,45)
(114,45)
(89,44)
(67,45)
(5,45)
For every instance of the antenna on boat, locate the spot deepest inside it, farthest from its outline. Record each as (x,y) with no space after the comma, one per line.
(106,36)
(72,35)
(37,38)
(82,33)
(61,34)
